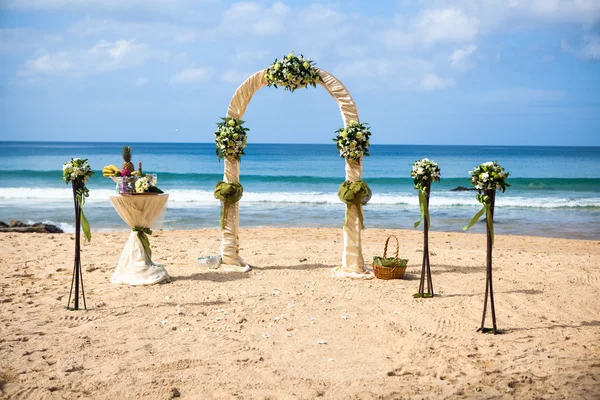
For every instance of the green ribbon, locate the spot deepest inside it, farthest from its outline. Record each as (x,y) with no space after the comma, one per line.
(488,215)
(228,193)
(141,234)
(354,194)
(424,209)
(85,225)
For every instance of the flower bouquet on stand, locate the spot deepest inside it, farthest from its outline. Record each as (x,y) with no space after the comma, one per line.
(487,178)
(424,173)
(77,171)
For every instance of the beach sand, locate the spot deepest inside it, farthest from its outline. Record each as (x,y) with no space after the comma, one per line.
(288,330)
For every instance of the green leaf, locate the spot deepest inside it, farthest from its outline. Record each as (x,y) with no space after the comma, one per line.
(85,225)
(475,219)
(154,189)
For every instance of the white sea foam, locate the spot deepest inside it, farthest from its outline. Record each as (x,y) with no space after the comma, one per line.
(190,198)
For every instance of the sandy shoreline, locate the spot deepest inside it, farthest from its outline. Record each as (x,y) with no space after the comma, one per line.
(288,330)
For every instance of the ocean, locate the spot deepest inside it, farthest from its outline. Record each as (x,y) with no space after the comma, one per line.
(555,191)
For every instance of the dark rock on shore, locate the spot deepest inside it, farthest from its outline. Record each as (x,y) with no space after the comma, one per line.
(462,189)
(18,226)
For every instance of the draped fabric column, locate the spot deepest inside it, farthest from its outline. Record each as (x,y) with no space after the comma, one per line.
(230,241)
(353,263)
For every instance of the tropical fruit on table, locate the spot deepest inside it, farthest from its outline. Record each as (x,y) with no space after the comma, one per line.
(127,164)
(110,171)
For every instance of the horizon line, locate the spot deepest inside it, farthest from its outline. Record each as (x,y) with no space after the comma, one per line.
(311,144)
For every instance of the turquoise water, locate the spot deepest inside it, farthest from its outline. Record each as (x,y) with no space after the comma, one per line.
(555,190)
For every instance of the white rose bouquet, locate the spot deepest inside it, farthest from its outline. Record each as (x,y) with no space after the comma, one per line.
(77,171)
(424,173)
(230,138)
(487,178)
(142,185)
(292,73)
(353,141)
(146,184)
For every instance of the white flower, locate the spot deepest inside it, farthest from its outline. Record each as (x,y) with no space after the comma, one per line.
(420,171)
(479,186)
(66,166)
(73,176)
(489,163)
(485,176)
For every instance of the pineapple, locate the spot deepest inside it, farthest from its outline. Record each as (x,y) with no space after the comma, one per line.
(126,153)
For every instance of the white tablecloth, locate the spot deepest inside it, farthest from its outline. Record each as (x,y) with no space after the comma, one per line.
(135,266)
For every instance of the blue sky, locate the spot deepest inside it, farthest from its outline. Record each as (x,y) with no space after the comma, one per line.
(508,72)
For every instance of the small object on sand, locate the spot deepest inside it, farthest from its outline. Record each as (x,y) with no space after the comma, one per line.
(212,262)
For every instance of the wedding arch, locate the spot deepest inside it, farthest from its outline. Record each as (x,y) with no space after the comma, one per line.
(293,72)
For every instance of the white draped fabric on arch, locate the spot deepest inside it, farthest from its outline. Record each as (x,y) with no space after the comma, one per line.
(353,264)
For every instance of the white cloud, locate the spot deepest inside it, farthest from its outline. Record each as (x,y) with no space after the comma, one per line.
(446,25)
(102,57)
(236,77)
(135,30)
(20,39)
(253,18)
(432,82)
(141,81)
(591,49)
(498,14)
(566,11)
(389,73)
(86,5)
(460,56)
(522,96)
(398,38)
(192,76)
(367,68)
(547,59)
(251,55)
(49,64)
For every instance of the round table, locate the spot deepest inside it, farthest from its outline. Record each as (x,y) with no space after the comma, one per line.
(135,266)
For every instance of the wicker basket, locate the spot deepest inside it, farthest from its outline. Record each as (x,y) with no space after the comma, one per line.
(392,267)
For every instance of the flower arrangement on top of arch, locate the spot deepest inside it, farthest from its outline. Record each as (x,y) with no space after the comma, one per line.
(353,141)
(230,138)
(292,72)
